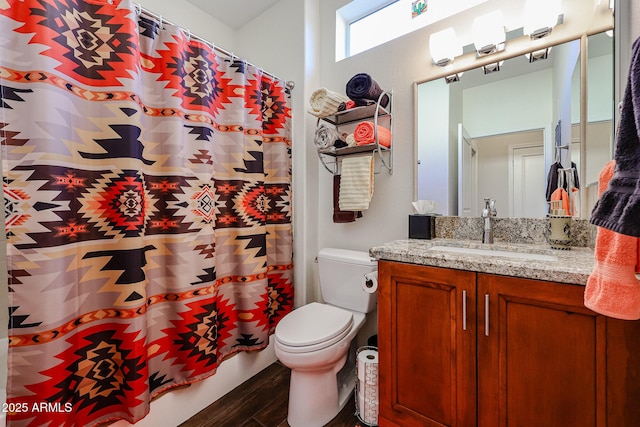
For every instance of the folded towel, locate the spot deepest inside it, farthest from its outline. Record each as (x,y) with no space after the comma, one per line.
(356,185)
(362,87)
(326,137)
(364,134)
(562,195)
(325,102)
(619,207)
(613,288)
(338,215)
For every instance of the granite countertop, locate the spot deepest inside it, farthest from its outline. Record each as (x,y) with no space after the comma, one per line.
(566,266)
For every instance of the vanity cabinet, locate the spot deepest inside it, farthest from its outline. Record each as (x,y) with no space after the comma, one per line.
(459,348)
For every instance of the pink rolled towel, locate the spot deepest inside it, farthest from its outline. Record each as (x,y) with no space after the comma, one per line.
(364,134)
(613,288)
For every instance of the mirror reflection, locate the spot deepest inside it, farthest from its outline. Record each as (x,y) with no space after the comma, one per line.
(497,135)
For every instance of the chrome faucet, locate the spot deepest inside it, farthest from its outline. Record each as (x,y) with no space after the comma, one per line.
(488,212)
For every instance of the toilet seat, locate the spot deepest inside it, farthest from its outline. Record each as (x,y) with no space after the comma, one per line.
(313,327)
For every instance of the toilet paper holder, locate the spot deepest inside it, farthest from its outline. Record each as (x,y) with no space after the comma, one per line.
(370,282)
(366,390)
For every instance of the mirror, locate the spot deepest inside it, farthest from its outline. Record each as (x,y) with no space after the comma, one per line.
(495,135)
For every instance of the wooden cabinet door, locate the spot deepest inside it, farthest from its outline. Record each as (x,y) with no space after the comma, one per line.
(541,355)
(427,347)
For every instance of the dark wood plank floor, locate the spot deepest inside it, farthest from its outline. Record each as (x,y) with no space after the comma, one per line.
(261,402)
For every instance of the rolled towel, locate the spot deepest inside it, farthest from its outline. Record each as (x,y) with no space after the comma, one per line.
(351,140)
(362,87)
(356,184)
(364,134)
(325,102)
(326,137)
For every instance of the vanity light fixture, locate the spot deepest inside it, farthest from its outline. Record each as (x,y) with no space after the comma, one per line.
(453,78)
(488,33)
(540,16)
(493,67)
(538,55)
(444,47)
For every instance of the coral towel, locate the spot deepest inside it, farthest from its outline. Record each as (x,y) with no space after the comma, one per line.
(365,134)
(613,289)
(356,184)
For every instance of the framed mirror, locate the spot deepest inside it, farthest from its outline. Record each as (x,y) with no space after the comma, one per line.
(497,134)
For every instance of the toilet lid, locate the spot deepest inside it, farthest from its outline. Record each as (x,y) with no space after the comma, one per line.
(312,324)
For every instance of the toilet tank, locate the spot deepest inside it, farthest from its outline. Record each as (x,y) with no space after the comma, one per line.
(341,272)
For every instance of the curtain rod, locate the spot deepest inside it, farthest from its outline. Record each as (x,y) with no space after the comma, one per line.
(290,84)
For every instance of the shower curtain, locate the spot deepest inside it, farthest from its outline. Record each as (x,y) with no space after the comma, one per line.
(147,186)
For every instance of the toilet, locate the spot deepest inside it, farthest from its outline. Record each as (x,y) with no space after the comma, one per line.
(314,340)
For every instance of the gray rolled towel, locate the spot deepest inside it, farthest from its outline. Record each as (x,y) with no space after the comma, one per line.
(326,137)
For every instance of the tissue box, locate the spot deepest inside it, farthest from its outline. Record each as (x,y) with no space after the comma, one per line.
(422,226)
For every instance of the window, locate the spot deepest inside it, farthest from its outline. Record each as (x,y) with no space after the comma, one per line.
(363,24)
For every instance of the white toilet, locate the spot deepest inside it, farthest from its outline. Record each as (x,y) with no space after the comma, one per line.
(314,340)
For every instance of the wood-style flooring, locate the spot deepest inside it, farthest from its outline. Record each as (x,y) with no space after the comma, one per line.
(261,401)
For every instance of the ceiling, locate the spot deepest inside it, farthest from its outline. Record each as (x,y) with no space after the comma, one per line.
(234,13)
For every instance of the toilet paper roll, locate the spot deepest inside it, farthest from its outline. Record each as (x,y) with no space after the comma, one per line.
(368,410)
(367,364)
(368,392)
(370,282)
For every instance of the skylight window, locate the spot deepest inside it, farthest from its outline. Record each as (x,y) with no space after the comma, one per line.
(364,24)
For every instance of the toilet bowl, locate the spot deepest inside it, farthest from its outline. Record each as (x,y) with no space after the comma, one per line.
(315,395)
(314,341)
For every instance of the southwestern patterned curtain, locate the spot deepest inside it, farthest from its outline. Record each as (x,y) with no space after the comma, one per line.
(147,186)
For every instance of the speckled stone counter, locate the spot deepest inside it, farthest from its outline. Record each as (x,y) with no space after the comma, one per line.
(531,231)
(572,266)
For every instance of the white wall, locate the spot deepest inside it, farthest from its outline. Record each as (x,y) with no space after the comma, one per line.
(190,17)
(599,84)
(493,109)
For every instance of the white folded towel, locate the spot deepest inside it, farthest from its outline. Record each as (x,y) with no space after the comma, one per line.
(356,183)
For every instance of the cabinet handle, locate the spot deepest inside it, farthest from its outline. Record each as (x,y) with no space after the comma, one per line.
(486,315)
(464,310)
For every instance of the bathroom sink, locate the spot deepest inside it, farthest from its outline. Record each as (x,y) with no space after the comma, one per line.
(525,256)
